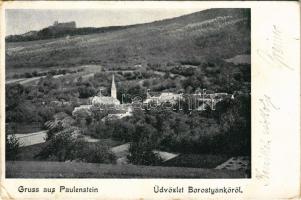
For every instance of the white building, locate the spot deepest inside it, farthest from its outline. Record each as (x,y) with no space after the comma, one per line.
(163,97)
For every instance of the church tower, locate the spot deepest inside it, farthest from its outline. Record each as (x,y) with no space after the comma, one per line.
(113,88)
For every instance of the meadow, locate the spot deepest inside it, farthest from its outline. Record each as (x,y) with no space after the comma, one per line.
(27,169)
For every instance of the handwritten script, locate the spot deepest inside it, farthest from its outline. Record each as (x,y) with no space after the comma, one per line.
(266,107)
(275,55)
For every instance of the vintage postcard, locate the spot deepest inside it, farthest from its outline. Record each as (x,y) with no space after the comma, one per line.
(150,100)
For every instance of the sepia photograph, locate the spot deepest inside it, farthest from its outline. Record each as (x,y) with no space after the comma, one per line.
(128,93)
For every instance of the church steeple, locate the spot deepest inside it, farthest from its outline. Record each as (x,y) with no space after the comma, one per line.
(113,88)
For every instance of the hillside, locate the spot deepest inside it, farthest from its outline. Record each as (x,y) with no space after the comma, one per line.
(207,35)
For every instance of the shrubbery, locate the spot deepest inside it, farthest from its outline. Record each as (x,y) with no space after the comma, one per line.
(142,146)
(142,154)
(225,130)
(64,146)
(96,153)
(12,147)
(61,146)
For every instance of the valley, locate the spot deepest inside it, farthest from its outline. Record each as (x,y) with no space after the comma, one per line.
(58,86)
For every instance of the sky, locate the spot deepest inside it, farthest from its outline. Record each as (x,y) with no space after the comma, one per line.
(19,21)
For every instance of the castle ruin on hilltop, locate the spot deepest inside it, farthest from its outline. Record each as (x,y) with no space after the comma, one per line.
(65,25)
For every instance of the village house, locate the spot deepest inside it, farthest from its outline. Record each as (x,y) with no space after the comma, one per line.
(160,98)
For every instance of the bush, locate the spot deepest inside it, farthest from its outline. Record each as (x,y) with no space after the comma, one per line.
(12,147)
(86,91)
(52,131)
(14,95)
(99,129)
(96,153)
(142,146)
(62,146)
(141,153)
(122,130)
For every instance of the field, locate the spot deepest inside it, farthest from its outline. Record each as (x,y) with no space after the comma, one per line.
(197,160)
(27,169)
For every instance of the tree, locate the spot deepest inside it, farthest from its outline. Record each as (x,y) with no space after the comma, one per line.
(86,90)
(99,129)
(81,115)
(141,153)
(166,75)
(52,131)
(142,146)
(13,95)
(12,147)
(62,146)
(236,126)
(122,130)
(97,153)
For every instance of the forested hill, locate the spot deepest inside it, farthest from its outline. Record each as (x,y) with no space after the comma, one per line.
(209,34)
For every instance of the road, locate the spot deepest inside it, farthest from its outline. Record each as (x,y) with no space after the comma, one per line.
(89,71)
(23,81)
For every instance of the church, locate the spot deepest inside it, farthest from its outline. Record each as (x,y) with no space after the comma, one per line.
(100,101)
(105,100)
(119,111)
